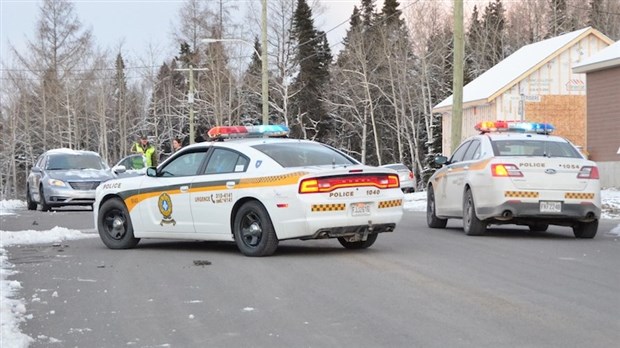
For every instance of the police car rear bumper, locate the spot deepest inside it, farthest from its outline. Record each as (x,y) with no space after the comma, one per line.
(510,211)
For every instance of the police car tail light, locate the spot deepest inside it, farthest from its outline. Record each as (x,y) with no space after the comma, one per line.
(505,169)
(588,172)
(227,132)
(328,184)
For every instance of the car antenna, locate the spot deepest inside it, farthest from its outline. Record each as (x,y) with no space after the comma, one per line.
(333,162)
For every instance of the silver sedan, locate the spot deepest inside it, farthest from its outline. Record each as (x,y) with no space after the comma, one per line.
(62,177)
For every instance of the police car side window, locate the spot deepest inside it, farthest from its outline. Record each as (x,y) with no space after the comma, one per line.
(226,161)
(184,165)
(473,152)
(459,153)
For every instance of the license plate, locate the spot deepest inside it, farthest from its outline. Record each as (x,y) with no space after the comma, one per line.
(360,209)
(550,207)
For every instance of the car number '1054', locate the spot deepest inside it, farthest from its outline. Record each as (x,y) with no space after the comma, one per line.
(359,209)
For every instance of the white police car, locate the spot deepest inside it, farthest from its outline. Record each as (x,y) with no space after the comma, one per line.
(254,191)
(515,173)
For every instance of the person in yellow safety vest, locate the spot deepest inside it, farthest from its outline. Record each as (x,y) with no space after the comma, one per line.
(147,150)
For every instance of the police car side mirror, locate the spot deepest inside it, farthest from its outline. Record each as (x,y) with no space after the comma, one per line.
(441,160)
(151,171)
(119,169)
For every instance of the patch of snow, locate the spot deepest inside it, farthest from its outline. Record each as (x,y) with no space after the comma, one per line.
(13,310)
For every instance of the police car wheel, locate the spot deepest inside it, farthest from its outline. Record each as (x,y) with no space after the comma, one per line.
(253,231)
(431,218)
(32,205)
(585,229)
(471,224)
(114,225)
(360,244)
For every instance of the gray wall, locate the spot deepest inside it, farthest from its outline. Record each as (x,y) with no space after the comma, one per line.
(609,173)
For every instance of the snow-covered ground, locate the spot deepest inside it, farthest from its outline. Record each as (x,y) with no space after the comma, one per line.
(13,308)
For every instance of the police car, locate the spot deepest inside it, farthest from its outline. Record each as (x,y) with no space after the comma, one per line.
(515,173)
(255,191)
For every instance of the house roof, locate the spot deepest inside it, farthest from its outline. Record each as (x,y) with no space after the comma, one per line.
(515,68)
(608,57)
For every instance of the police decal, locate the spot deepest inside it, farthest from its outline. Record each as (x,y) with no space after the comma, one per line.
(165,208)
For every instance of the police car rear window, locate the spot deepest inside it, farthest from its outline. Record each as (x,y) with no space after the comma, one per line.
(536,148)
(304,154)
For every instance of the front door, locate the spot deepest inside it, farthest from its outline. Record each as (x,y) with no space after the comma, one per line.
(167,205)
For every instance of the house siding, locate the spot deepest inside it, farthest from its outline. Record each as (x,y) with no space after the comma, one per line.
(603,105)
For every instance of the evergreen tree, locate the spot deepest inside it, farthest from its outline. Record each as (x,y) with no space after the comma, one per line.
(493,24)
(313,56)
(368,9)
(391,14)
(473,47)
(251,99)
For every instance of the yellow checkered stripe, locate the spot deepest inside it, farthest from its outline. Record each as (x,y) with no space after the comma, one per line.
(520,194)
(578,195)
(328,207)
(273,178)
(390,204)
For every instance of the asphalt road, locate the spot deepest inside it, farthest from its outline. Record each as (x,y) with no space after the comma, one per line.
(415,287)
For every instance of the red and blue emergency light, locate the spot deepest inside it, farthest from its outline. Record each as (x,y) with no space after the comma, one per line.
(514,126)
(228,132)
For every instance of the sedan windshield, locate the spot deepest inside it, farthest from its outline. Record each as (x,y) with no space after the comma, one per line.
(74,161)
(540,148)
(304,154)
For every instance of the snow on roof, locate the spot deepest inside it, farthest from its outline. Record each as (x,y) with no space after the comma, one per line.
(64,150)
(607,58)
(512,67)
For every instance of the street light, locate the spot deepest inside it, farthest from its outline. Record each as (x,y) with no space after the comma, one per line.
(265,76)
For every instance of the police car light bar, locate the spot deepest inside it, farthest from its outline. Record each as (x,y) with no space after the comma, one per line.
(514,126)
(223,132)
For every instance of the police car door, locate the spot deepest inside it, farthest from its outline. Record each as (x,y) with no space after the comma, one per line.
(167,209)
(215,192)
(455,179)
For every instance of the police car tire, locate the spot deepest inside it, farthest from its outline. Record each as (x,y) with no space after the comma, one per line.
(585,229)
(32,205)
(360,244)
(471,224)
(110,210)
(42,203)
(431,218)
(254,214)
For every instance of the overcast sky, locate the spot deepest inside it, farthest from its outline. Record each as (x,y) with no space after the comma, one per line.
(139,23)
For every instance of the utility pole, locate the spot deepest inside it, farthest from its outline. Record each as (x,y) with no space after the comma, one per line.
(264,63)
(457,76)
(190,100)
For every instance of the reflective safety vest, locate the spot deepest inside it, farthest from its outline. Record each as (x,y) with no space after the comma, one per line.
(149,153)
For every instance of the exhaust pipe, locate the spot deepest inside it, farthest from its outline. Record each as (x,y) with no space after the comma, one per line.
(506,215)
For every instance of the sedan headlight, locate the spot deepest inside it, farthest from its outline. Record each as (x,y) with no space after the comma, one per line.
(54,182)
